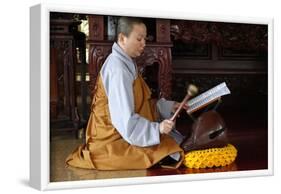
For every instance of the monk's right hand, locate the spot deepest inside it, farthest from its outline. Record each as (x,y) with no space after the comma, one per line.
(166,126)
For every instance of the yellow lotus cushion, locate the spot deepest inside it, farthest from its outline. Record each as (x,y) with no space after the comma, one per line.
(213,157)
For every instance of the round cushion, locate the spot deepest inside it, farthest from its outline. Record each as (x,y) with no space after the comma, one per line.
(208,158)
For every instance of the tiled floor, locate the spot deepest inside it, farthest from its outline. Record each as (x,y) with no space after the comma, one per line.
(250,139)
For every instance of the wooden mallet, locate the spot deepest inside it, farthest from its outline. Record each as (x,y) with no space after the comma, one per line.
(191,91)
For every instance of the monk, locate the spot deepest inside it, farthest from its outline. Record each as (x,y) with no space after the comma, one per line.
(124,131)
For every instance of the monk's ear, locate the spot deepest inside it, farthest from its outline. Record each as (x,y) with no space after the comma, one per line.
(121,38)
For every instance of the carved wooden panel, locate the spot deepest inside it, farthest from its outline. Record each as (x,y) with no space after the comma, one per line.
(97,55)
(159,55)
(62,73)
(240,54)
(64,40)
(53,83)
(227,35)
(191,51)
(163,30)
(96,27)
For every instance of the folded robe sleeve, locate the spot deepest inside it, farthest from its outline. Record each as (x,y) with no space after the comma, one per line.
(165,107)
(136,130)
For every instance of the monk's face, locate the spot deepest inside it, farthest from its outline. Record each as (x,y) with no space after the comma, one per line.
(134,44)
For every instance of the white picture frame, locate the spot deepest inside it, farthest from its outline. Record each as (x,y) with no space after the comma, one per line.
(39,102)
